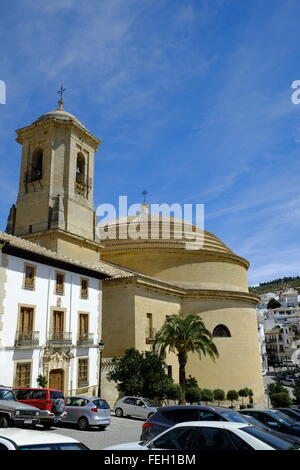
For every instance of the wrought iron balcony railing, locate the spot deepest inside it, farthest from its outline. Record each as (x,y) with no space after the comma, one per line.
(27,339)
(85,339)
(58,338)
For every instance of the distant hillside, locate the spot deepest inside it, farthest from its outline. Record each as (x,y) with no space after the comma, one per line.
(277,285)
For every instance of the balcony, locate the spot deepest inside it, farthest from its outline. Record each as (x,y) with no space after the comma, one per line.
(27,339)
(60,339)
(150,335)
(85,339)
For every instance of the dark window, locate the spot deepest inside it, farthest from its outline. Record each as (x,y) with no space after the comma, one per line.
(232,416)
(221,331)
(3,446)
(23,394)
(129,401)
(63,446)
(208,416)
(36,172)
(238,442)
(101,404)
(54,395)
(212,439)
(38,395)
(80,169)
(176,439)
(268,438)
(7,395)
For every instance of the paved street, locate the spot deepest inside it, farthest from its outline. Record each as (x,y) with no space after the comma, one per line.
(120,430)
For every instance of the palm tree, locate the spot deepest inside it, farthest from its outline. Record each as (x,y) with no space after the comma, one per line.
(183,334)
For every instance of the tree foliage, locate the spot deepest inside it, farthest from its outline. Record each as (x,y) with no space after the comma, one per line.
(232,395)
(193,395)
(219,395)
(181,335)
(141,374)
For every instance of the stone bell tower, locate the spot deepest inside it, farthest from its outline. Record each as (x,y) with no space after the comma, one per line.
(55,206)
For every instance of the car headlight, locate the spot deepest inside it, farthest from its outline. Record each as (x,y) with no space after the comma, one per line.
(17,412)
(37,413)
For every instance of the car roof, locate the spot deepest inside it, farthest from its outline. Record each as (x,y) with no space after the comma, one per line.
(214,424)
(194,407)
(30,437)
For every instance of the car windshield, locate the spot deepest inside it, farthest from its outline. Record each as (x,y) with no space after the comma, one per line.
(269,438)
(58,446)
(232,416)
(102,404)
(7,395)
(149,402)
(282,417)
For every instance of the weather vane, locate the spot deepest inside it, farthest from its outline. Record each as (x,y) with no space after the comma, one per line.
(60,92)
(144,193)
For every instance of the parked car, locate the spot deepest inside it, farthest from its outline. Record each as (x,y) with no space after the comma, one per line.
(208,435)
(275,419)
(168,416)
(291,413)
(87,411)
(21,439)
(288,382)
(294,440)
(49,401)
(134,406)
(13,412)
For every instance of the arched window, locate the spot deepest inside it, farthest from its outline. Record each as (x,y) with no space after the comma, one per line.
(221,331)
(36,172)
(80,169)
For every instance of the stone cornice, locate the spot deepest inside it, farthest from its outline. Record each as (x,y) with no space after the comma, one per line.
(183,292)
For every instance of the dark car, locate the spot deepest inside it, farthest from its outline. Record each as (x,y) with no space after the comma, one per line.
(275,420)
(291,413)
(294,440)
(168,416)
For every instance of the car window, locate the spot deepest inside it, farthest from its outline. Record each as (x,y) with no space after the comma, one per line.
(238,442)
(212,439)
(69,401)
(22,394)
(268,438)
(57,446)
(38,395)
(176,439)
(3,446)
(149,403)
(129,401)
(232,416)
(139,402)
(7,395)
(180,416)
(208,416)
(101,404)
(56,394)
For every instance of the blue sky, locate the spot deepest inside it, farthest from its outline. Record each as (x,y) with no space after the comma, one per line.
(191,98)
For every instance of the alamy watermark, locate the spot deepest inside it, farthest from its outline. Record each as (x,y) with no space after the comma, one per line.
(2,92)
(295,98)
(152,221)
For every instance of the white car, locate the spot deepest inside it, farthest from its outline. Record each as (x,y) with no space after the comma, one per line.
(210,435)
(26,439)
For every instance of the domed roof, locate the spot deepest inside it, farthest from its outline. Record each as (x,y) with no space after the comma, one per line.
(60,115)
(161,231)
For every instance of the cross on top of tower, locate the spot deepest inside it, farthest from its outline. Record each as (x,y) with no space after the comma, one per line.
(144,194)
(60,101)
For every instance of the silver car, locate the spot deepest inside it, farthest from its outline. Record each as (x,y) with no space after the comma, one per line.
(135,406)
(87,411)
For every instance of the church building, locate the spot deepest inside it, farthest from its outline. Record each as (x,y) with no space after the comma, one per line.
(147,278)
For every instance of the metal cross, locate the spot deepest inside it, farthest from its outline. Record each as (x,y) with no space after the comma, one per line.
(144,193)
(61,90)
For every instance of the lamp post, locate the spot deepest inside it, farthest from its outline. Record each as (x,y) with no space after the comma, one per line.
(101,347)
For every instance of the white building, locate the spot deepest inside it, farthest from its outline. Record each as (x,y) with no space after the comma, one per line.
(50,317)
(289,298)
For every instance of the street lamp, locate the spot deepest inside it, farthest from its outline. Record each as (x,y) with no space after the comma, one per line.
(101,347)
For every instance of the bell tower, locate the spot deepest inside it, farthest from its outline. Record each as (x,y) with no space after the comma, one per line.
(55,206)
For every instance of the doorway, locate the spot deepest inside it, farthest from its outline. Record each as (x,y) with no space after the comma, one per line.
(56,379)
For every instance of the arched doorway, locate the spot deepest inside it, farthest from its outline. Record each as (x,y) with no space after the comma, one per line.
(56,379)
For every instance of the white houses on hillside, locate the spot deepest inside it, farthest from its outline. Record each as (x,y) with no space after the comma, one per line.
(50,318)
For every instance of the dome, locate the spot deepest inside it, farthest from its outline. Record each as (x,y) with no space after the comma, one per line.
(60,115)
(170,249)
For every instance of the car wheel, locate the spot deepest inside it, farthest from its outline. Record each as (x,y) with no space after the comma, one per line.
(3,422)
(119,412)
(83,424)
